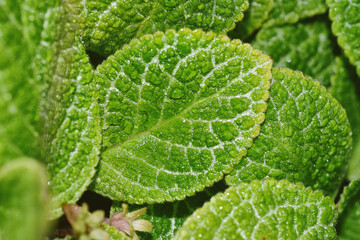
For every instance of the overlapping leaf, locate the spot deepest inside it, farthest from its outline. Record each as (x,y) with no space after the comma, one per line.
(306,136)
(178,110)
(263,210)
(21,31)
(344,87)
(23,200)
(349,212)
(305,47)
(290,11)
(70,117)
(167,218)
(257,13)
(346,26)
(109,24)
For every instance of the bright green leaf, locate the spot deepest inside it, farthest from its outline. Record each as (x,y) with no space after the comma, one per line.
(306,136)
(21,32)
(349,212)
(70,118)
(344,88)
(345,16)
(257,13)
(263,210)
(109,24)
(178,110)
(306,47)
(168,217)
(291,11)
(23,200)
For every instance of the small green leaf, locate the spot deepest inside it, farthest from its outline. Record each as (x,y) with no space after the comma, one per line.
(168,217)
(263,210)
(23,200)
(306,136)
(70,117)
(344,88)
(290,11)
(349,212)
(178,110)
(306,47)
(257,13)
(109,24)
(346,26)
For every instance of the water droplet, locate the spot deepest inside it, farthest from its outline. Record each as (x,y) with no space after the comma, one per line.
(176,93)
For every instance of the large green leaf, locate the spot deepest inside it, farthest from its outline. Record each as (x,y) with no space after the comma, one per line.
(22,27)
(344,86)
(257,13)
(306,47)
(70,116)
(168,217)
(306,136)
(349,212)
(178,110)
(290,11)
(109,24)
(346,26)
(263,210)
(23,200)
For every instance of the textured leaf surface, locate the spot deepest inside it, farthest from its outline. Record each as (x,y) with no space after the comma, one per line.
(344,87)
(290,11)
(21,31)
(168,217)
(109,24)
(70,118)
(178,111)
(257,13)
(23,200)
(263,210)
(345,16)
(306,136)
(305,47)
(349,212)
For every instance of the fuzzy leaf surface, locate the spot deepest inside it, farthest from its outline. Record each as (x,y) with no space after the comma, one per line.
(257,13)
(346,26)
(306,136)
(263,210)
(23,200)
(70,118)
(305,47)
(349,212)
(290,11)
(21,30)
(109,24)
(178,110)
(344,87)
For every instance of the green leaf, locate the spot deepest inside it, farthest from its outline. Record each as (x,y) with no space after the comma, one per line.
(21,32)
(168,217)
(290,11)
(306,47)
(344,88)
(23,200)
(109,24)
(178,110)
(263,210)
(349,212)
(257,13)
(306,136)
(346,26)
(70,118)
